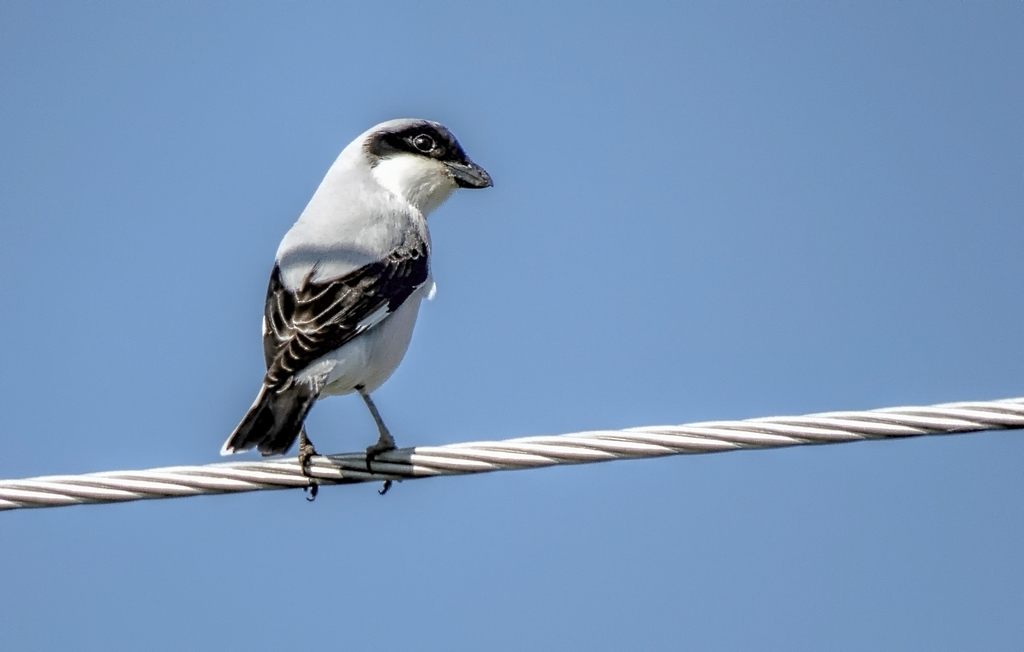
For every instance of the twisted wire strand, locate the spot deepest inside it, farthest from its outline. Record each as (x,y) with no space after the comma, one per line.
(513,454)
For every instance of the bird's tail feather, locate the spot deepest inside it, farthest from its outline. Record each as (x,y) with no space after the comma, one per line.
(273,422)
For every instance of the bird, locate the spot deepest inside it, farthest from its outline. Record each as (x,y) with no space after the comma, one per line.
(348,279)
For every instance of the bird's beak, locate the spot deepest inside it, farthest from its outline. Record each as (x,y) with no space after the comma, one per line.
(469,175)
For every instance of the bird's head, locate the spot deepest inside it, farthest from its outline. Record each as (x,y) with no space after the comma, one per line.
(421,162)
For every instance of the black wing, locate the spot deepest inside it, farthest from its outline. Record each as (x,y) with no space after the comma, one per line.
(318,318)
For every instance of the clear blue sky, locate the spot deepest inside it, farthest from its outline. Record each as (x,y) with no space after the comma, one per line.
(699,212)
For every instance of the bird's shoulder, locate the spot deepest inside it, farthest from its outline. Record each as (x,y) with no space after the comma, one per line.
(347,240)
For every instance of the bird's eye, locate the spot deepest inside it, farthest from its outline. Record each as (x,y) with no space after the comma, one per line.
(423,142)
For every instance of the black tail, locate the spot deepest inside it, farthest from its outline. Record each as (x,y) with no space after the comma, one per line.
(273,422)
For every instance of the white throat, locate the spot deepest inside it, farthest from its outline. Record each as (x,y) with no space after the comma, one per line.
(422,182)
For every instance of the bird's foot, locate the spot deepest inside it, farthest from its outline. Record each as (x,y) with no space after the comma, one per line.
(306,453)
(383,445)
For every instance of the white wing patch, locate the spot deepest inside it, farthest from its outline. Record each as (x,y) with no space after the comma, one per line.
(374,318)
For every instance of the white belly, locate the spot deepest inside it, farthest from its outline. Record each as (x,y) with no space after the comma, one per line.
(370,359)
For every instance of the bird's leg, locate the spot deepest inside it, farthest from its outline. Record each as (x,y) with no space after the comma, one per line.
(385,442)
(306,452)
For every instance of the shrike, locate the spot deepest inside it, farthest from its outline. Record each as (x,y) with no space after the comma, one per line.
(349,278)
